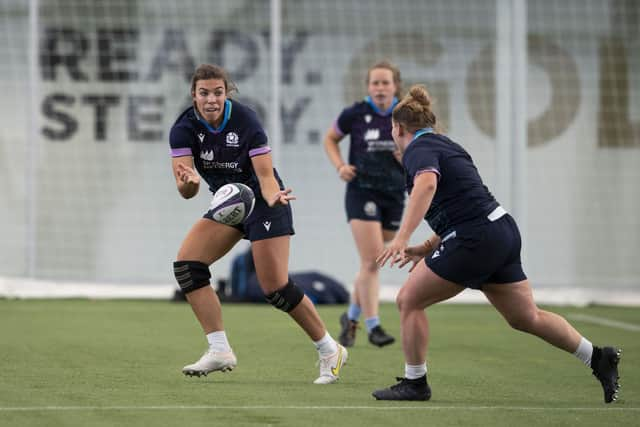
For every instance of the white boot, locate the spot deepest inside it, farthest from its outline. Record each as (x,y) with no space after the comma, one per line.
(330,366)
(211,361)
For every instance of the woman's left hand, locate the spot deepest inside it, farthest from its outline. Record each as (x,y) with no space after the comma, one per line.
(394,252)
(414,254)
(282,197)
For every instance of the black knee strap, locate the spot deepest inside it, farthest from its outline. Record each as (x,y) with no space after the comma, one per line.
(286,298)
(191,275)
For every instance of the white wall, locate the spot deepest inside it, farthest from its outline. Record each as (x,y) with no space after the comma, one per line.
(108,210)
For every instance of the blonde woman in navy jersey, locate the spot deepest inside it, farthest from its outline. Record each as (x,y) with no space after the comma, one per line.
(222,141)
(476,245)
(374,199)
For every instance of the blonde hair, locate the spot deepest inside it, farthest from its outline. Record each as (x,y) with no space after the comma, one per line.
(386,65)
(415,110)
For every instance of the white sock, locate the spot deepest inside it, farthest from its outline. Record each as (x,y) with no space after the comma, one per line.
(411,372)
(218,342)
(584,351)
(326,346)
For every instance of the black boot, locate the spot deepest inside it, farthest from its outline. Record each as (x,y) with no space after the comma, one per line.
(604,363)
(348,332)
(406,389)
(379,337)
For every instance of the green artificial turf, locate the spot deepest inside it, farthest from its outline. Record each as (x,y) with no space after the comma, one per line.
(115,363)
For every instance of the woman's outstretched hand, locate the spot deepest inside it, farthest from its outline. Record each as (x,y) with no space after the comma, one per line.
(394,252)
(399,253)
(413,254)
(282,197)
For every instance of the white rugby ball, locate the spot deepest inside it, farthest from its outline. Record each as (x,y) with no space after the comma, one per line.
(232,203)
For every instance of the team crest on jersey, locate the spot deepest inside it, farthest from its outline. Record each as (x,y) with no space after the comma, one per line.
(201,137)
(372,134)
(232,139)
(370,208)
(206,155)
(367,118)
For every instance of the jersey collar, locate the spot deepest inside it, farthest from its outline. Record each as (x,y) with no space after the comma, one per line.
(421,132)
(227,115)
(389,110)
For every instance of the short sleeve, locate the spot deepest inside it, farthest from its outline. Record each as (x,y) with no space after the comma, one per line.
(422,158)
(258,142)
(180,141)
(343,124)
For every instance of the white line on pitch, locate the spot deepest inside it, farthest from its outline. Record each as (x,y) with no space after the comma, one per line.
(425,407)
(605,322)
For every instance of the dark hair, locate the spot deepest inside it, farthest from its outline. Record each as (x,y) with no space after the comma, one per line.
(414,111)
(208,72)
(386,65)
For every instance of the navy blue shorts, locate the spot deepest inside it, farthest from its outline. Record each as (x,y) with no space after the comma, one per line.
(265,222)
(475,254)
(370,205)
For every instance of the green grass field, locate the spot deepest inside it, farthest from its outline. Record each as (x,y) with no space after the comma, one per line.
(115,363)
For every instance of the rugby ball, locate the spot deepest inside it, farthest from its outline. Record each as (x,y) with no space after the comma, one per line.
(232,204)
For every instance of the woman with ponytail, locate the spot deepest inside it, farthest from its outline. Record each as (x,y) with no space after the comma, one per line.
(476,245)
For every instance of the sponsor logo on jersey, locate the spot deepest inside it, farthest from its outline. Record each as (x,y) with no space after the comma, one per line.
(222,165)
(267,225)
(372,134)
(201,137)
(206,155)
(233,140)
(208,163)
(367,118)
(383,145)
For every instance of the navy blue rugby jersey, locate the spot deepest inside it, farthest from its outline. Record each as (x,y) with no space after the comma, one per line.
(371,147)
(222,155)
(460,196)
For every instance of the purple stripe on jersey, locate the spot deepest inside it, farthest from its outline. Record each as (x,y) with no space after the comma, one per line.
(179,152)
(259,150)
(337,128)
(434,170)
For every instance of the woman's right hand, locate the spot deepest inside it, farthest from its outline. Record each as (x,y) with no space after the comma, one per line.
(347,172)
(187,175)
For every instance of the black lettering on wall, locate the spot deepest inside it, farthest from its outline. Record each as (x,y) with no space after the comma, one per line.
(243,49)
(68,125)
(291,47)
(101,104)
(63,47)
(116,46)
(291,117)
(289,53)
(144,119)
(173,55)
